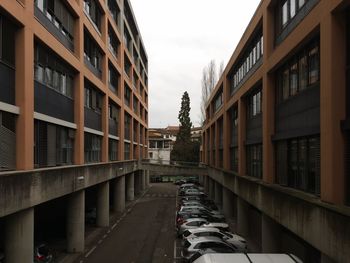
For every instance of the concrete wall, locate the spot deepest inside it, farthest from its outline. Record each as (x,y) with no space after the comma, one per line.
(324,226)
(21,190)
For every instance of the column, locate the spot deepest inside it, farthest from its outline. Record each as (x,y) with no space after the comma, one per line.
(218,193)
(143,180)
(242,217)
(130,188)
(102,211)
(75,222)
(332,108)
(119,194)
(24,98)
(227,202)
(270,235)
(19,237)
(137,181)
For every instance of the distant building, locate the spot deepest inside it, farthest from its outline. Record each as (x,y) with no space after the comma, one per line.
(161,141)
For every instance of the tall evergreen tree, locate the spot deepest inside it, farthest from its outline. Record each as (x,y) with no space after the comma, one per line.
(184,149)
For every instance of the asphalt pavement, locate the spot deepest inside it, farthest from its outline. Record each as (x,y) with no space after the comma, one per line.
(145,233)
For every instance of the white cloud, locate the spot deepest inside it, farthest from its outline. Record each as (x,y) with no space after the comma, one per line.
(181,37)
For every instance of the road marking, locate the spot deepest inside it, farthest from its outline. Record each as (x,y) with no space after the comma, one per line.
(115,225)
(89,253)
(100,241)
(109,231)
(81,261)
(104,236)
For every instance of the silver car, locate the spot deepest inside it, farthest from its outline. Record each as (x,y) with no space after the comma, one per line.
(190,224)
(201,208)
(221,226)
(192,245)
(231,238)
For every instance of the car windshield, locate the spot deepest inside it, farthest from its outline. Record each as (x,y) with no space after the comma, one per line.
(186,233)
(187,244)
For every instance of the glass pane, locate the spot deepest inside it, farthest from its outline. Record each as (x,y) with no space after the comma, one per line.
(293,4)
(285,84)
(293,79)
(285,13)
(303,72)
(314,66)
(301,3)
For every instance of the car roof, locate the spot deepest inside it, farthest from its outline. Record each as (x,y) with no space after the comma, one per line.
(204,229)
(246,258)
(217,224)
(205,239)
(195,219)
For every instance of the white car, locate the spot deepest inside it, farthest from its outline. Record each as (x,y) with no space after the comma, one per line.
(233,239)
(190,224)
(193,191)
(248,258)
(199,207)
(221,226)
(192,245)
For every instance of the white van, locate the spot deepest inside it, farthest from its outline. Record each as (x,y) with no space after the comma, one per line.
(248,258)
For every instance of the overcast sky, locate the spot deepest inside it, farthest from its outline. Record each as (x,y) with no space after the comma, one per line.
(181,37)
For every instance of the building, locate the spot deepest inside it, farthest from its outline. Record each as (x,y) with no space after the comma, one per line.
(74,77)
(160,144)
(73,94)
(276,136)
(161,141)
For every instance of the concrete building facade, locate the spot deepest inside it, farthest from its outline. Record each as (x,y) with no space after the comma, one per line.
(73,95)
(276,133)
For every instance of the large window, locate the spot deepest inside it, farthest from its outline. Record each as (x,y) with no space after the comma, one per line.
(7,141)
(113,79)
(254,104)
(52,71)
(301,72)
(92,148)
(298,163)
(287,10)
(254,160)
(234,159)
(113,42)
(126,151)
(234,139)
(127,67)
(92,52)
(93,99)
(251,57)
(53,144)
(127,126)
(7,41)
(113,149)
(58,14)
(218,101)
(127,95)
(115,11)
(93,10)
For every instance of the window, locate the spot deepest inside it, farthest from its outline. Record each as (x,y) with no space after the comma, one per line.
(7,41)
(113,42)
(51,71)
(127,96)
(113,150)
(287,10)
(7,141)
(298,163)
(218,101)
(126,151)
(234,159)
(92,148)
(127,67)
(254,104)
(59,15)
(113,79)
(93,98)
(53,144)
(254,160)
(115,11)
(127,126)
(93,10)
(300,73)
(92,52)
(252,56)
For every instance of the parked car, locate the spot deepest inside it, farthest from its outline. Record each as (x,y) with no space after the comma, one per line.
(189,224)
(42,254)
(231,238)
(192,191)
(220,225)
(198,203)
(183,217)
(201,208)
(192,245)
(190,198)
(200,213)
(215,250)
(244,258)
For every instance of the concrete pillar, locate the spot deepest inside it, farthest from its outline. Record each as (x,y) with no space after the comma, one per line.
(75,222)
(242,217)
(130,188)
(19,237)
(143,180)
(147,178)
(270,235)
(119,194)
(137,182)
(102,211)
(227,202)
(218,193)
